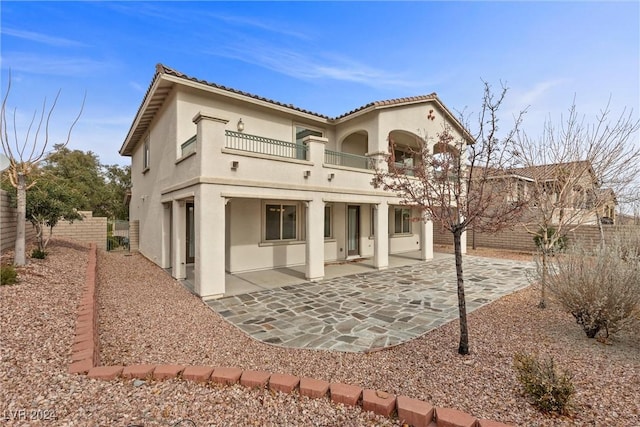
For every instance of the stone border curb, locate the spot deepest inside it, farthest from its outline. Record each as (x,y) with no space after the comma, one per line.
(85,359)
(85,352)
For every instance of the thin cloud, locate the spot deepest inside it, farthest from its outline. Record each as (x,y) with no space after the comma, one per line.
(58,66)
(538,91)
(260,24)
(300,66)
(42,38)
(138,87)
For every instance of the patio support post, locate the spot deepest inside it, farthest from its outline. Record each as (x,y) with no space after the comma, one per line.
(314,249)
(463,239)
(426,239)
(210,233)
(178,249)
(381,238)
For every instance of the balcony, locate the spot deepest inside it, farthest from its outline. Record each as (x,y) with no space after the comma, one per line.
(348,160)
(404,169)
(259,144)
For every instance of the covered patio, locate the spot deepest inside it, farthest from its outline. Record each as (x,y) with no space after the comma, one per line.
(255,281)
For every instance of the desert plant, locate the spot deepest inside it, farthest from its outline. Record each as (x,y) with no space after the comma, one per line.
(8,275)
(550,389)
(599,287)
(559,243)
(39,254)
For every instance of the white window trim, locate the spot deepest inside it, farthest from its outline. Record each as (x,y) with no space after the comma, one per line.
(302,125)
(146,154)
(401,233)
(299,220)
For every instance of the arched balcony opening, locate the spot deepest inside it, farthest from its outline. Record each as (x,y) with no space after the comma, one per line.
(356,143)
(405,149)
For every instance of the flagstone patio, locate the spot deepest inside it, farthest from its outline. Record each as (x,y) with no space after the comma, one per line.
(370,310)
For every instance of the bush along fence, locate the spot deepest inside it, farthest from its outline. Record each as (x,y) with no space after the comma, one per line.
(85,359)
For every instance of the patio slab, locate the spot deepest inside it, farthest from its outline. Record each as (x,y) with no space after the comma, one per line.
(370,310)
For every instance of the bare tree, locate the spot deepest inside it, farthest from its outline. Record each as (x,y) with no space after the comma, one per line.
(460,180)
(575,173)
(24,155)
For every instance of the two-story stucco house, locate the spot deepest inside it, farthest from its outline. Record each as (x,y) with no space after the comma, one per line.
(232,182)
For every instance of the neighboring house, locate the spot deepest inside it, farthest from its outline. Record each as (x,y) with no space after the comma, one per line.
(572,188)
(233,182)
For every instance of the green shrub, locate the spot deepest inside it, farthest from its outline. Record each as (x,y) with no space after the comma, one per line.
(8,275)
(550,389)
(559,245)
(37,253)
(600,287)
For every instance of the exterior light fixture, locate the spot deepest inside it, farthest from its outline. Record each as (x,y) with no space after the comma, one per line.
(331,176)
(240,125)
(234,165)
(307,174)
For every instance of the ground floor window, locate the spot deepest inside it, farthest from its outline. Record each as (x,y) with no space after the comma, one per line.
(281,222)
(402,221)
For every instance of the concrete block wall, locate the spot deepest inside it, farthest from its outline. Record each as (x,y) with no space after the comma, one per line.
(90,229)
(517,239)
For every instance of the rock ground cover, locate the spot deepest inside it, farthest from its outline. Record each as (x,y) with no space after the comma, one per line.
(146,317)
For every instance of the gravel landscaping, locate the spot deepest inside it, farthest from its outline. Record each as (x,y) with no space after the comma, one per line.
(147,317)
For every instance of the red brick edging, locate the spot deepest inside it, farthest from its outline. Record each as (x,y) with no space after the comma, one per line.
(85,352)
(85,359)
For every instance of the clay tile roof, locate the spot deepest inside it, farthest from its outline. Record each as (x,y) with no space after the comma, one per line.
(163,69)
(389,102)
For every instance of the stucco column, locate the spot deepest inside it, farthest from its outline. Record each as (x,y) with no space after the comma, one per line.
(463,242)
(379,160)
(314,249)
(426,239)
(210,140)
(381,237)
(165,261)
(315,146)
(209,213)
(463,239)
(178,249)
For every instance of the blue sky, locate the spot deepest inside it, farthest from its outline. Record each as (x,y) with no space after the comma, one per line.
(326,57)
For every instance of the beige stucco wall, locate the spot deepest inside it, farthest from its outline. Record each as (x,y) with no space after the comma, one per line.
(145,206)
(171,178)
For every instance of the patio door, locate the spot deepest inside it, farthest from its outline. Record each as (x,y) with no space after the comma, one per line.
(191,234)
(353,230)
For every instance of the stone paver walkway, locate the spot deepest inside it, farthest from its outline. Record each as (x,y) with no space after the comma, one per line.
(363,312)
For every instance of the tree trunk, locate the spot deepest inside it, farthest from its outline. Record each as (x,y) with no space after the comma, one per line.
(543,291)
(19,257)
(463,348)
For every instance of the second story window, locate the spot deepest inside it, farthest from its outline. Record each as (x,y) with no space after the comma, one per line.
(146,158)
(301,132)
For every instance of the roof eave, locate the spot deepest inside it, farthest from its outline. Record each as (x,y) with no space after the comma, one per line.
(127,146)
